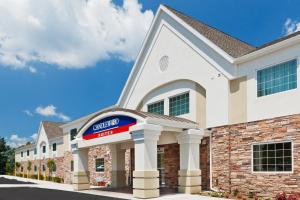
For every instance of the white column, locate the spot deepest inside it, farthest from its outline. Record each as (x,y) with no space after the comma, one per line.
(81,174)
(189,175)
(118,173)
(145,175)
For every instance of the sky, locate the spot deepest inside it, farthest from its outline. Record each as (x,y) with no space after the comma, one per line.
(63,59)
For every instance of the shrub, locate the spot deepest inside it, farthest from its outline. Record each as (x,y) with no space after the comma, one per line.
(235,192)
(284,196)
(217,194)
(226,195)
(281,196)
(58,180)
(49,178)
(34,176)
(294,196)
(250,195)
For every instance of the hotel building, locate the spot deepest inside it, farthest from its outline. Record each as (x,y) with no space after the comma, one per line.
(201,110)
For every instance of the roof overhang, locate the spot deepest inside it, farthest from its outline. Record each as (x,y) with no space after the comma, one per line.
(166,123)
(267,50)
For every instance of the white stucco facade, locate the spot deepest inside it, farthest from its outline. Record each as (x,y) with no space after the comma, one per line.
(192,58)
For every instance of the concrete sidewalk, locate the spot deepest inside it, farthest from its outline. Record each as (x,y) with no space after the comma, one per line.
(68,187)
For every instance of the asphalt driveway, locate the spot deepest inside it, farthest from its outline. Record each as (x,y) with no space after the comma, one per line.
(46,194)
(12,181)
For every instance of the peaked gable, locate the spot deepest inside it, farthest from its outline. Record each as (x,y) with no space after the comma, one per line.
(233,46)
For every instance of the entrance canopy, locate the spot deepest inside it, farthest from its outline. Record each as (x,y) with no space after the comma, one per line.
(114,125)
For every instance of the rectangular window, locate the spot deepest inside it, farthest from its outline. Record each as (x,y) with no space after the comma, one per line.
(44,149)
(21,153)
(27,152)
(22,169)
(157,107)
(44,168)
(72,166)
(35,151)
(272,157)
(73,134)
(179,105)
(54,147)
(35,168)
(100,165)
(278,78)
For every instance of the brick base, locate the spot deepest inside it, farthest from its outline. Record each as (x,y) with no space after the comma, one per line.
(232,154)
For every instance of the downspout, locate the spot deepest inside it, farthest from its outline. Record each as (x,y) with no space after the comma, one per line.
(210,162)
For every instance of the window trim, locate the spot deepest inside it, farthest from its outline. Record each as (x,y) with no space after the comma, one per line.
(179,94)
(103,165)
(155,102)
(274,172)
(272,65)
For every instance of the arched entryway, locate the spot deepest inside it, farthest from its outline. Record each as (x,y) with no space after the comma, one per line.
(142,131)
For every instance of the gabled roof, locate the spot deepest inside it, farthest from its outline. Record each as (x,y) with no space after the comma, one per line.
(28,145)
(234,47)
(52,129)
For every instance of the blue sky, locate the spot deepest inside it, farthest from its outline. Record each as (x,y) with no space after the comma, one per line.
(47,72)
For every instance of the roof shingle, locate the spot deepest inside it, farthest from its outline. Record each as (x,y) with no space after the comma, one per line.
(53,129)
(232,46)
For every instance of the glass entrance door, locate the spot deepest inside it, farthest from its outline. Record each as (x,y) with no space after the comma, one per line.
(161,166)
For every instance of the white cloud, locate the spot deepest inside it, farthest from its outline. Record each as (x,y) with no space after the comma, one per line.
(28,112)
(291,26)
(32,70)
(70,33)
(34,136)
(50,111)
(15,140)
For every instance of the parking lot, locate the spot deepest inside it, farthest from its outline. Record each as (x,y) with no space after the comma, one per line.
(32,193)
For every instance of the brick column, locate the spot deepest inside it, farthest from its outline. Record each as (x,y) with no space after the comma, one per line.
(189,175)
(145,175)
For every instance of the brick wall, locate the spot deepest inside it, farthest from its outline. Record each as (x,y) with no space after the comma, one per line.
(103,151)
(205,163)
(99,152)
(68,175)
(171,164)
(232,155)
